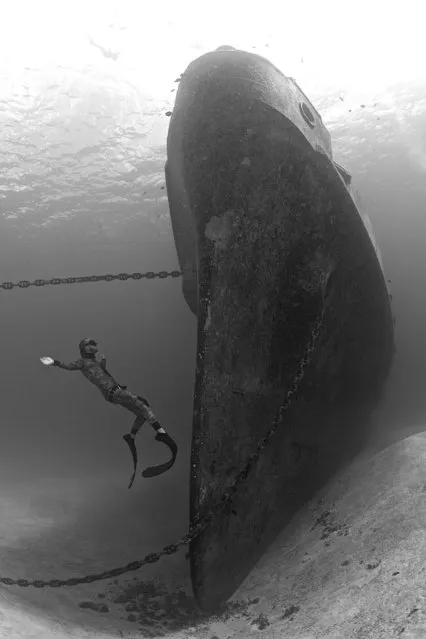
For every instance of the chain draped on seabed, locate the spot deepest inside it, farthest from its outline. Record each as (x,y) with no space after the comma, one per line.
(226,499)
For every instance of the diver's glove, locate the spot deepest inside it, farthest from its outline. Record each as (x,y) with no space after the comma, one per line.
(48,361)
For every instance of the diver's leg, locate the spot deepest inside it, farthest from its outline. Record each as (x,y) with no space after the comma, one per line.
(152,420)
(157,427)
(140,407)
(136,426)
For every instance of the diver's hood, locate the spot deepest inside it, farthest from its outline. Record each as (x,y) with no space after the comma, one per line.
(83,345)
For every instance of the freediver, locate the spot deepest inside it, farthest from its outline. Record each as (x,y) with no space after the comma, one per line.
(94,369)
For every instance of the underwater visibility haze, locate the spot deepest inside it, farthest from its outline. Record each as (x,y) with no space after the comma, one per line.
(86,94)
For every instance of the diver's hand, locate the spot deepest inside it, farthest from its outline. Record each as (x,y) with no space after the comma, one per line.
(47,361)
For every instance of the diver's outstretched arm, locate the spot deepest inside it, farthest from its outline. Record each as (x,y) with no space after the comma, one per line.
(72,366)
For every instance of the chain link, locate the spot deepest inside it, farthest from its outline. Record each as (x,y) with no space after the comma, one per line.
(198,524)
(55,281)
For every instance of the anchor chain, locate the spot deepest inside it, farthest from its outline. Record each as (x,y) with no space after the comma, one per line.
(199,524)
(109,277)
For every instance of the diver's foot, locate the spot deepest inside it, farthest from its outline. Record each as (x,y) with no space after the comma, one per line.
(129,438)
(161,431)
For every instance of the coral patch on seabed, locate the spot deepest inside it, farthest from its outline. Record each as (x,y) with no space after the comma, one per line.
(158,610)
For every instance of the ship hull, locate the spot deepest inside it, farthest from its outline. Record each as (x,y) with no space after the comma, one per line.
(272,244)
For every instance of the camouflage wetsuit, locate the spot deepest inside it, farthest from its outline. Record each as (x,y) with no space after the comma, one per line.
(96,372)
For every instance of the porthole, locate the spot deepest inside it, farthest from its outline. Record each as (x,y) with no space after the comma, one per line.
(307,114)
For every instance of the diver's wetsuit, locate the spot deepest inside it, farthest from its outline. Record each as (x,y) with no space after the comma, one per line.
(96,372)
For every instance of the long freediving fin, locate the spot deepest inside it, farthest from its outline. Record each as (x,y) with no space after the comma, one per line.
(131,444)
(153,471)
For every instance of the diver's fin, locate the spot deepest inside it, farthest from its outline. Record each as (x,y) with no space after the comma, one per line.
(153,471)
(131,444)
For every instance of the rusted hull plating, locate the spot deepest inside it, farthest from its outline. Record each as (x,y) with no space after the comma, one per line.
(268,236)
